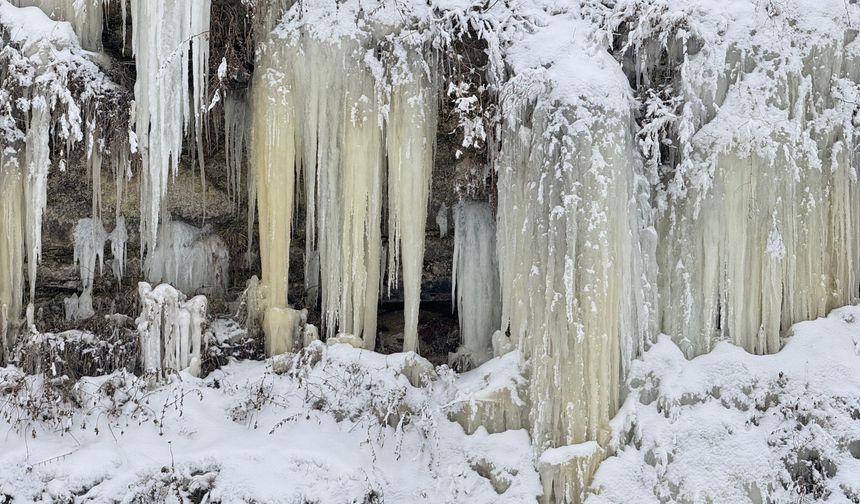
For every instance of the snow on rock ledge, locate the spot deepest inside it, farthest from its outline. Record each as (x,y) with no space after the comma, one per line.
(85,16)
(730,426)
(493,396)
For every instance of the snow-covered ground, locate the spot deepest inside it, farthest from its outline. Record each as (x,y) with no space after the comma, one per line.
(344,425)
(732,427)
(336,424)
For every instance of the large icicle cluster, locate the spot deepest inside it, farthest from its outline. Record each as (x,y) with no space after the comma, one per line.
(759,214)
(573,243)
(237,122)
(741,219)
(41,62)
(170,93)
(329,118)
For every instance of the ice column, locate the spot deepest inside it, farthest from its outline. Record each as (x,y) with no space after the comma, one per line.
(476,279)
(11,243)
(574,271)
(273,155)
(410,141)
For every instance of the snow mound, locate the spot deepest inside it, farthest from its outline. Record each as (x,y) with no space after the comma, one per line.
(730,426)
(335,424)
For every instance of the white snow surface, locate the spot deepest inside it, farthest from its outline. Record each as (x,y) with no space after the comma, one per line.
(726,427)
(345,428)
(29,25)
(732,427)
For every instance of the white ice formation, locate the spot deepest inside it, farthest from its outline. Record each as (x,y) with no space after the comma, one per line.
(90,238)
(170,94)
(171,330)
(475,279)
(334,128)
(701,183)
(42,62)
(191,259)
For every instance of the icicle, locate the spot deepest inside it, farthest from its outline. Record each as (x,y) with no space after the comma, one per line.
(164,32)
(36,163)
(95,148)
(252,213)
(475,282)
(118,242)
(199,28)
(11,244)
(442,220)
(121,168)
(237,118)
(357,249)
(124,15)
(410,143)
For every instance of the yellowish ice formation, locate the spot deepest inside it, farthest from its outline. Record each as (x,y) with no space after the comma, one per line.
(319,117)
